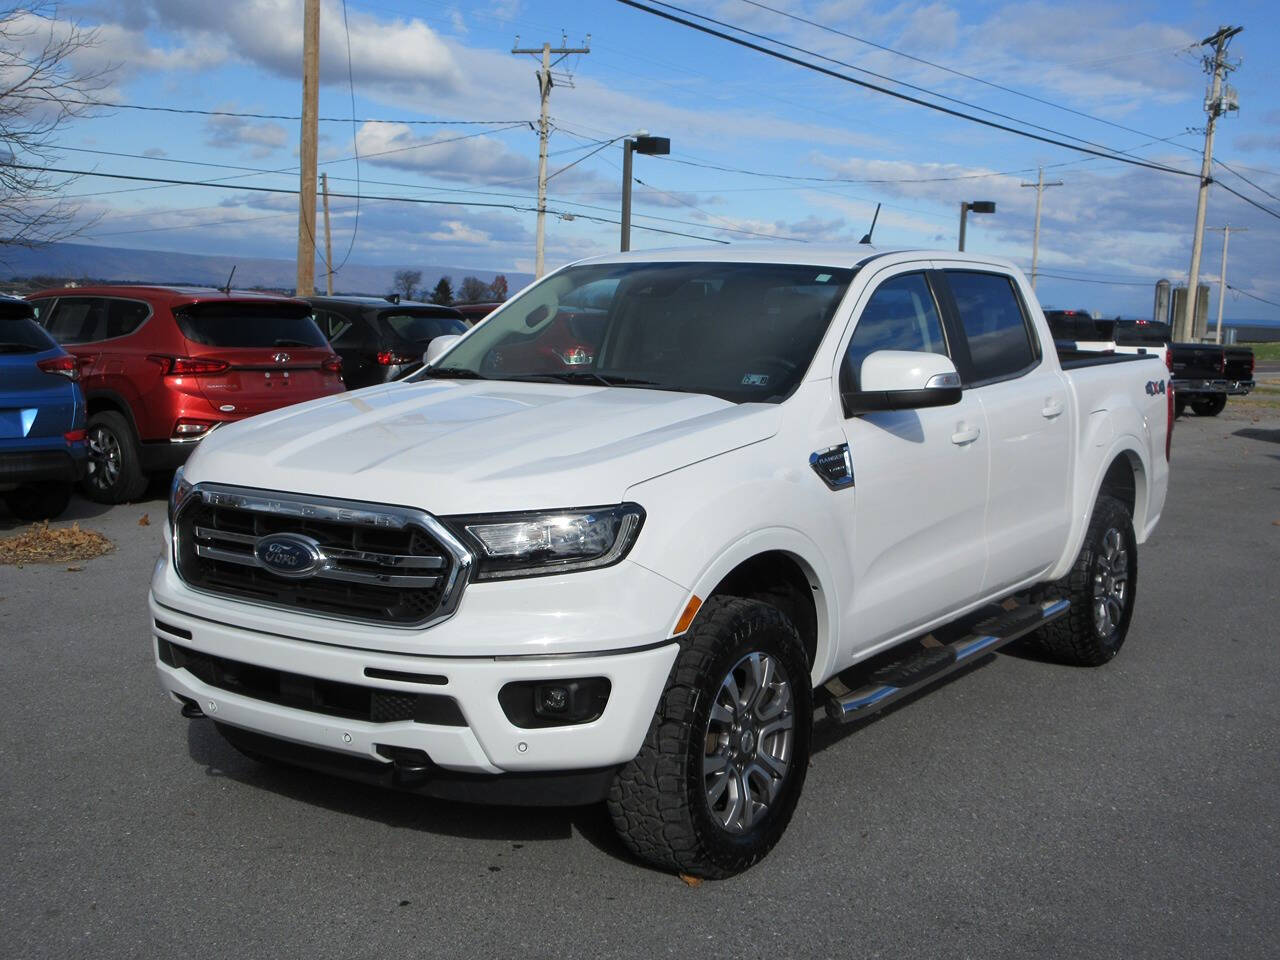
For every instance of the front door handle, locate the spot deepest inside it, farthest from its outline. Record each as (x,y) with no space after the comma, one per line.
(965,435)
(1052,407)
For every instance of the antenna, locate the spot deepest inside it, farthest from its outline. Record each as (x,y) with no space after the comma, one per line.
(226,288)
(866,238)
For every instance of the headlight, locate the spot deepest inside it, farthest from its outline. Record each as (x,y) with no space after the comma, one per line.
(550,541)
(177,493)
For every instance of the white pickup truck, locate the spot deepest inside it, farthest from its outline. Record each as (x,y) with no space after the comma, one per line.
(621,538)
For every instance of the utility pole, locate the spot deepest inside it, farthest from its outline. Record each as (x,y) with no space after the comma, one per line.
(545,83)
(1215,105)
(1222,276)
(306,284)
(328,238)
(1040,186)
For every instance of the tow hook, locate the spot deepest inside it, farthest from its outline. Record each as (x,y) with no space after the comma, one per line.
(190,709)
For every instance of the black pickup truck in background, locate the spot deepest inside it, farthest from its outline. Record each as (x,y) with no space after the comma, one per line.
(1204,374)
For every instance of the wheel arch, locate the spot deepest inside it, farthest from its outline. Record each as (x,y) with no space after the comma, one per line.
(1123,473)
(102,401)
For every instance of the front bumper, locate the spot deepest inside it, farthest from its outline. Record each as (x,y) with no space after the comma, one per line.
(487,743)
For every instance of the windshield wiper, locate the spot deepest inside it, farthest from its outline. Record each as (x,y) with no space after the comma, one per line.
(456,373)
(286,342)
(587,376)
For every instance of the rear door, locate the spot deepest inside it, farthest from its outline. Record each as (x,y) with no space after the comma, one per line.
(273,351)
(1025,400)
(33,402)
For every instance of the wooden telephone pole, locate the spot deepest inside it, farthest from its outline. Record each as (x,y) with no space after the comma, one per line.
(328,238)
(1040,186)
(306,284)
(546,51)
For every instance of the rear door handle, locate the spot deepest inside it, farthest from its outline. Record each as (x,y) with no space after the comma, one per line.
(965,435)
(1052,407)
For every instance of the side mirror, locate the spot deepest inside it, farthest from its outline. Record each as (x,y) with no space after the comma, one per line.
(903,380)
(439,347)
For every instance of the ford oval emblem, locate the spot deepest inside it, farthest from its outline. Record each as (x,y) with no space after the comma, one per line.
(289,554)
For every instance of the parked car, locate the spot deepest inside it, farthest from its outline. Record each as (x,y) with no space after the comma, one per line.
(784,475)
(42,417)
(473,313)
(162,367)
(381,338)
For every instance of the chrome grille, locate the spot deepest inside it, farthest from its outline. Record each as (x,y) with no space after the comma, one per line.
(375,563)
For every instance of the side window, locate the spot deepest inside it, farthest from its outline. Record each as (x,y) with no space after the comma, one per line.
(42,308)
(901,315)
(125,316)
(79,320)
(1000,340)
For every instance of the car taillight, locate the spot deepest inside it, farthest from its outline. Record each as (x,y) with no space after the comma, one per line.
(390,358)
(190,366)
(64,366)
(331,364)
(1222,363)
(75,436)
(185,429)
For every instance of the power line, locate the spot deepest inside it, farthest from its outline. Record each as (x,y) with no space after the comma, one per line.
(347,196)
(807,179)
(1108,153)
(1253,296)
(1112,283)
(1226,166)
(266,116)
(959,73)
(1251,202)
(355,151)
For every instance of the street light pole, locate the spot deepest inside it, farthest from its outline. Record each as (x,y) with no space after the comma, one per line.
(644,144)
(1222,275)
(977,206)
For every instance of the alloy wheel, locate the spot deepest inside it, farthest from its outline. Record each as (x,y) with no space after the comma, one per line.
(1110,583)
(104,455)
(749,742)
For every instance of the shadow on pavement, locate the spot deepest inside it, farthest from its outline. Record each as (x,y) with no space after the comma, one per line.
(1253,433)
(404,811)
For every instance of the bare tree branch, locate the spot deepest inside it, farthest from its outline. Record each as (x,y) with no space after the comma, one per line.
(42,89)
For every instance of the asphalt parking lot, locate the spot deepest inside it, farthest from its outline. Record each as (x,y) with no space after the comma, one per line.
(1020,810)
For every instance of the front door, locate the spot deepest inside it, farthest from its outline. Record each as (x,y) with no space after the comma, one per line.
(920,479)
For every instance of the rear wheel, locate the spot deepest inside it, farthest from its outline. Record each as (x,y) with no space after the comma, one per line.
(1101,587)
(1210,406)
(44,502)
(724,762)
(115,466)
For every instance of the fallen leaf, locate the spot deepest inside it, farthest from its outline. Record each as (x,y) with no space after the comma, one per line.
(690,881)
(1275,523)
(144,520)
(74,569)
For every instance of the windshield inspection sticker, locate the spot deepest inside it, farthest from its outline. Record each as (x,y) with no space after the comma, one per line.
(755,380)
(822,278)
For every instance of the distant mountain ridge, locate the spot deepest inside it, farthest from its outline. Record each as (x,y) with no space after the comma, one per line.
(75,261)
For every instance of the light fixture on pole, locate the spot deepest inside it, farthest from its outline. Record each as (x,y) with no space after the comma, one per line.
(639,143)
(973,206)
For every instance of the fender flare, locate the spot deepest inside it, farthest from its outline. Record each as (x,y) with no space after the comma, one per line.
(808,556)
(1127,445)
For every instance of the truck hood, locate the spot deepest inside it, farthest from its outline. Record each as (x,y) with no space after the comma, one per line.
(470,447)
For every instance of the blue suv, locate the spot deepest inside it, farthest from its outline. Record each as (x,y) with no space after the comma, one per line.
(42,411)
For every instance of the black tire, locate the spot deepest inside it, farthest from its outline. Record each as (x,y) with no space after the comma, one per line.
(115,474)
(44,502)
(660,801)
(1210,406)
(1087,636)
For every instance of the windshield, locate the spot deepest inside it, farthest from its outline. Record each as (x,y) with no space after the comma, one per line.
(745,332)
(252,324)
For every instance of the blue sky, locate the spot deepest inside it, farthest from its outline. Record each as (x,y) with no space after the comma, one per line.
(1127,65)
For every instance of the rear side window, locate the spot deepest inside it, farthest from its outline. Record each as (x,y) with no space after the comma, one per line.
(249,325)
(901,315)
(420,328)
(125,316)
(1000,343)
(22,335)
(79,320)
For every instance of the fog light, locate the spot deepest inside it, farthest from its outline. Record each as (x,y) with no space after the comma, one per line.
(190,428)
(554,703)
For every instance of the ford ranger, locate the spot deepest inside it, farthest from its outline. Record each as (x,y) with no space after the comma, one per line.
(783,480)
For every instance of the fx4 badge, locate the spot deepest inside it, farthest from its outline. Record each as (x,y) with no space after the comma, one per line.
(1155,387)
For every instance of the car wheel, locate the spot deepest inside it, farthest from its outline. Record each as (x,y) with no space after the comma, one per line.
(44,502)
(1210,407)
(1101,587)
(724,762)
(115,468)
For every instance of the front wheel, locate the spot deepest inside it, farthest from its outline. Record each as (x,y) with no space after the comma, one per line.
(722,767)
(1210,406)
(115,474)
(1101,587)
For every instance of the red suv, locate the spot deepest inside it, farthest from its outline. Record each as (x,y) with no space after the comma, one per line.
(162,366)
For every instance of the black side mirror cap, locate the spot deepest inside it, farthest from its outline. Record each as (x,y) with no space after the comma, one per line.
(857,402)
